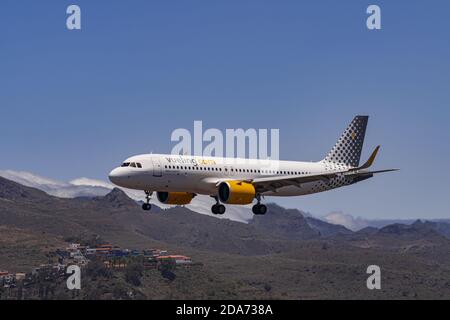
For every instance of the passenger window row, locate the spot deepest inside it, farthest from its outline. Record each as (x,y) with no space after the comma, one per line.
(194,168)
(236,170)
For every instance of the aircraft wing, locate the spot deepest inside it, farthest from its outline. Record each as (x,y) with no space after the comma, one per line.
(274,183)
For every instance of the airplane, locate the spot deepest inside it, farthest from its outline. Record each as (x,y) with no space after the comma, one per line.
(177,179)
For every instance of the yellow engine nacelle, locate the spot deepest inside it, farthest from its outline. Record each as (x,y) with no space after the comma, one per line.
(236,192)
(179,198)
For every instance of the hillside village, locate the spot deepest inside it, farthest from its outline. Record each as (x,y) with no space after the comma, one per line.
(110,257)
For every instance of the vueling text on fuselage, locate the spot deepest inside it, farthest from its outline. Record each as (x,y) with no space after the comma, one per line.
(190,161)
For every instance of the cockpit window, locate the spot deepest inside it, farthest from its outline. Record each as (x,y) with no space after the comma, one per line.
(132,164)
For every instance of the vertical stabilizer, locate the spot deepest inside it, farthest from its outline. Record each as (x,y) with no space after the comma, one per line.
(347,149)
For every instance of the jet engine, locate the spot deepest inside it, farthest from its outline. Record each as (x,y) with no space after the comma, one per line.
(179,198)
(236,192)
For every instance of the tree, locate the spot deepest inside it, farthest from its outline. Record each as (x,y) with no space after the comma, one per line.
(96,269)
(133,274)
(3,291)
(120,292)
(167,266)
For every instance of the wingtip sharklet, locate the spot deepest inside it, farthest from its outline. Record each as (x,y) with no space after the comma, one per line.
(372,156)
(369,161)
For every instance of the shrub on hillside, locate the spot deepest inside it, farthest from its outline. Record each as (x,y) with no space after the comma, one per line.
(167,268)
(133,274)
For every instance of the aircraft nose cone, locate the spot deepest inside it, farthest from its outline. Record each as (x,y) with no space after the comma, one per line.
(114,176)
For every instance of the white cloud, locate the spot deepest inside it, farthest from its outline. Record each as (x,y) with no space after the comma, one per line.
(29,179)
(54,187)
(91,182)
(346,220)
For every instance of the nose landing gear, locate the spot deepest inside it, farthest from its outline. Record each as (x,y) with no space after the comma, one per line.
(147,206)
(218,208)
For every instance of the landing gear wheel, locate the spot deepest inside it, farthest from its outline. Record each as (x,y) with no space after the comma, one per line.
(259,209)
(218,209)
(147,206)
(262,209)
(221,209)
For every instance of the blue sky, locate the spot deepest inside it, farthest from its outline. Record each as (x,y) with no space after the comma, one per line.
(76,103)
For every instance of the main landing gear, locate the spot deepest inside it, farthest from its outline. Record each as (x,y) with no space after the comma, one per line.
(147,206)
(218,208)
(259,208)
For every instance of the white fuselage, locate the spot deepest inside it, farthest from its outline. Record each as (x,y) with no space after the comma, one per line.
(177,179)
(201,175)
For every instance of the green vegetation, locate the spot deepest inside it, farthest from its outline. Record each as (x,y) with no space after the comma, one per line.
(133,273)
(96,269)
(167,268)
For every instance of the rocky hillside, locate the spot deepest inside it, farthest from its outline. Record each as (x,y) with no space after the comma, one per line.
(281,255)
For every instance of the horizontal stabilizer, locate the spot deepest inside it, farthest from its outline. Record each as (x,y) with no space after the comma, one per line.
(365,173)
